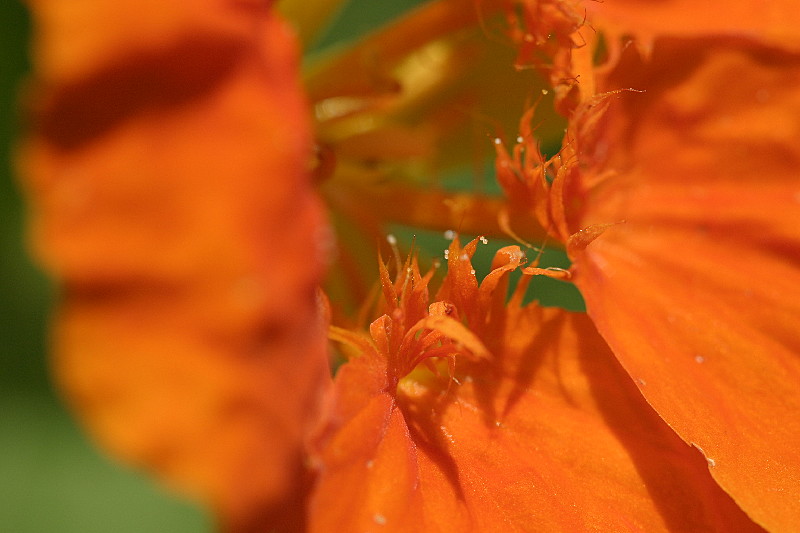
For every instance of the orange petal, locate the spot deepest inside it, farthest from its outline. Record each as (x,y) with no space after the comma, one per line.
(548,435)
(698,290)
(187,239)
(773,22)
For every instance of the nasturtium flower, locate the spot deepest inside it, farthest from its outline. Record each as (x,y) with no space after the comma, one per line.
(177,164)
(527,424)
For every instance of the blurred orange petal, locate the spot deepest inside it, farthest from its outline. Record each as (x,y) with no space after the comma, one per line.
(171,198)
(696,284)
(548,434)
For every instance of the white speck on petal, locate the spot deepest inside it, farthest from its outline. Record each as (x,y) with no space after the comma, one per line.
(484,240)
(379,519)
(497,140)
(520,139)
(447,434)
(640,381)
(699,359)
(391,239)
(449,235)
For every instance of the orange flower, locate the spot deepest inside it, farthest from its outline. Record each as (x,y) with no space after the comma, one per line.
(533,426)
(170,167)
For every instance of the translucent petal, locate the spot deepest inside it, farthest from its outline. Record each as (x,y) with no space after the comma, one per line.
(696,284)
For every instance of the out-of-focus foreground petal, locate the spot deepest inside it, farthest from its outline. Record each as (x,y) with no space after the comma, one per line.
(774,22)
(696,286)
(547,433)
(171,198)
